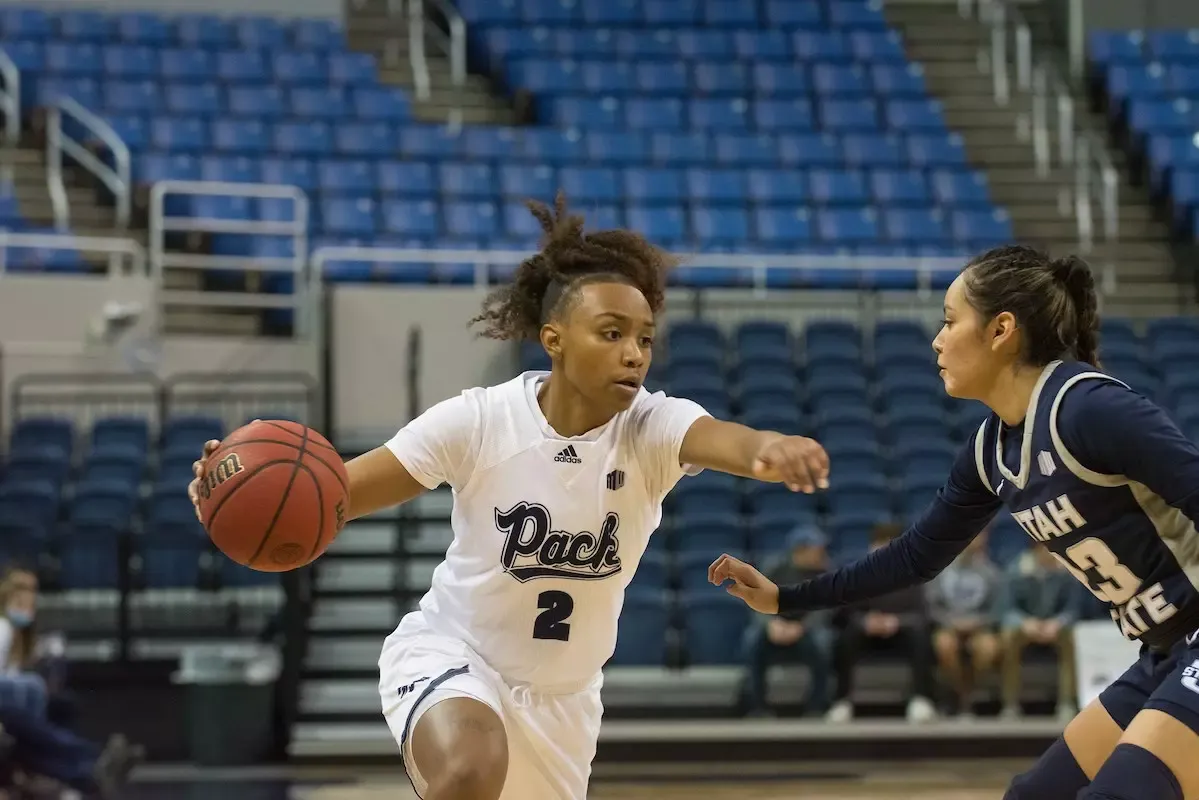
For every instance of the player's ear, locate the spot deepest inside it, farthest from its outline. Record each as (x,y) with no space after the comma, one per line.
(551,339)
(1002,330)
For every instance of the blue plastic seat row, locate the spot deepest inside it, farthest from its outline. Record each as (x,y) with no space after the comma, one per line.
(364,217)
(145,97)
(672,113)
(765,46)
(553,76)
(125,63)
(1134,47)
(194,30)
(549,148)
(787,14)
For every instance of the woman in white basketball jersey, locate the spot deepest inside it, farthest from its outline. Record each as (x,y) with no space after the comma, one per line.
(492,688)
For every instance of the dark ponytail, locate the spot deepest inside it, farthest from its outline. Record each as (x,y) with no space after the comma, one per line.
(1054,301)
(1076,276)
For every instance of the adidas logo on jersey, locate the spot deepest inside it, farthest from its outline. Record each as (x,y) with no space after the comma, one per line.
(568,456)
(533,549)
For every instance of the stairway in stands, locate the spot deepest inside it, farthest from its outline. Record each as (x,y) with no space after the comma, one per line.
(24,167)
(370,28)
(948,46)
(371,576)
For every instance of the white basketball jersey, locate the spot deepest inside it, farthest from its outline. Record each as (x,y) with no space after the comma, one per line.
(547,529)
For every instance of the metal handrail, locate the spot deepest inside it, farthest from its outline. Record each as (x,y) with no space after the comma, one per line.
(117,178)
(416,50)
(10,99)
(115,247)
(1058,140)
(451,42)
(296,228)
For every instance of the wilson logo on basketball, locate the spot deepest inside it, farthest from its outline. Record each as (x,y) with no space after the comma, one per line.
(228,466)
(532,549)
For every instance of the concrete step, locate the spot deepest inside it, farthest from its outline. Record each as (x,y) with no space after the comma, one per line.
(185,319)
(448,111)
(1034,209)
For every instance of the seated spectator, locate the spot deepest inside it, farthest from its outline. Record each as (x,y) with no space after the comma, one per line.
(805,638)
(961,603)
(20,686)
(1038,606)
(895,623)
(41,750)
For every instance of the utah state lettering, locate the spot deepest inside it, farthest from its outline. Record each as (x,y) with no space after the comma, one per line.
(533,550)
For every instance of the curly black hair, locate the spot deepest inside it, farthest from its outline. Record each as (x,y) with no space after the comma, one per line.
(546,283)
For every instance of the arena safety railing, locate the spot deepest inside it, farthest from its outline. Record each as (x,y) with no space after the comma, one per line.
(422,28)
(117,178)
(125,256)
(10,99)
(296,229)
(1058,140)
(759,267)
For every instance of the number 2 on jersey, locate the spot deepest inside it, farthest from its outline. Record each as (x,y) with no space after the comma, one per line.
(551,623)
(1119,584)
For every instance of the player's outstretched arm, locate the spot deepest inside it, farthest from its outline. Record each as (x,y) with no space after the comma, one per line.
(796,461)
(961,509)
(377,481)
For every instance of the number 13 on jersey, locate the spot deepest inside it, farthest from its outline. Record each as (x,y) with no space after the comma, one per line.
(1136,610)
(551,622)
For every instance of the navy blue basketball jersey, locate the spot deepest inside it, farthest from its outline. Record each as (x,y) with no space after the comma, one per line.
(1121,540)
(1095,472)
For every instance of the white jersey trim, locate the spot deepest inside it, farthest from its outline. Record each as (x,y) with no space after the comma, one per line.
(1020,478)
(1067,458)
(980,456)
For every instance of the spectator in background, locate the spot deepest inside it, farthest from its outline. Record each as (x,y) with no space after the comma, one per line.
(895,623)
(962,602)
(1038,606)
(20,686)
(807,638)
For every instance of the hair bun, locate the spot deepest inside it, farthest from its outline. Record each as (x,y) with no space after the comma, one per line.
(1070,269)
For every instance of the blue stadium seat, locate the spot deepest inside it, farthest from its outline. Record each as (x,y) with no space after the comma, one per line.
(642,635)
(171,560)
(712,621)
(103,506)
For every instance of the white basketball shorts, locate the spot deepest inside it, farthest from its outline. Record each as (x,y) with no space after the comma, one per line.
(551,737)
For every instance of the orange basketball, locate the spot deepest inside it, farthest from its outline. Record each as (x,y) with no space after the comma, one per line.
(274,495)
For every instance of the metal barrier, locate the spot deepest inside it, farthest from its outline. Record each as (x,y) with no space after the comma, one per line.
(1058,139)
(296,229)
(766,273)
(451,41)
(117,249)
(239,397)
(117,178)
(10,99)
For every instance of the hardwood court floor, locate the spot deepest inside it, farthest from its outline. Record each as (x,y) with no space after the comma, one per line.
(949,781)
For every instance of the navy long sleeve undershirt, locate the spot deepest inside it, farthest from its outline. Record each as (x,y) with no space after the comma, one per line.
(1108,428)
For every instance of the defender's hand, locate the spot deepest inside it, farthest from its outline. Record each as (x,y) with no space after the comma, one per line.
(796,461)
(754,588)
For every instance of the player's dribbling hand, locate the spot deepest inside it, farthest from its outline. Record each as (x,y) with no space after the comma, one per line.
(755,589)
(193,488)
(796,461)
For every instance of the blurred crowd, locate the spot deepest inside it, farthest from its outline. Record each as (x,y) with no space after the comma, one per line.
(974,626)
(41,756)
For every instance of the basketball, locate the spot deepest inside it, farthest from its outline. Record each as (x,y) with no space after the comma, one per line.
(274,495)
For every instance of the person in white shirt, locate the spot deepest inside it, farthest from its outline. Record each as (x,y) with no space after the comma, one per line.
(492,688)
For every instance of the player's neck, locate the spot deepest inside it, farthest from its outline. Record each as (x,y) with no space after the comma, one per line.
(1012,390)
(566,411)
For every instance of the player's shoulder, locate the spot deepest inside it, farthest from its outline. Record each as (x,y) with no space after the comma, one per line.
(1087,389)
